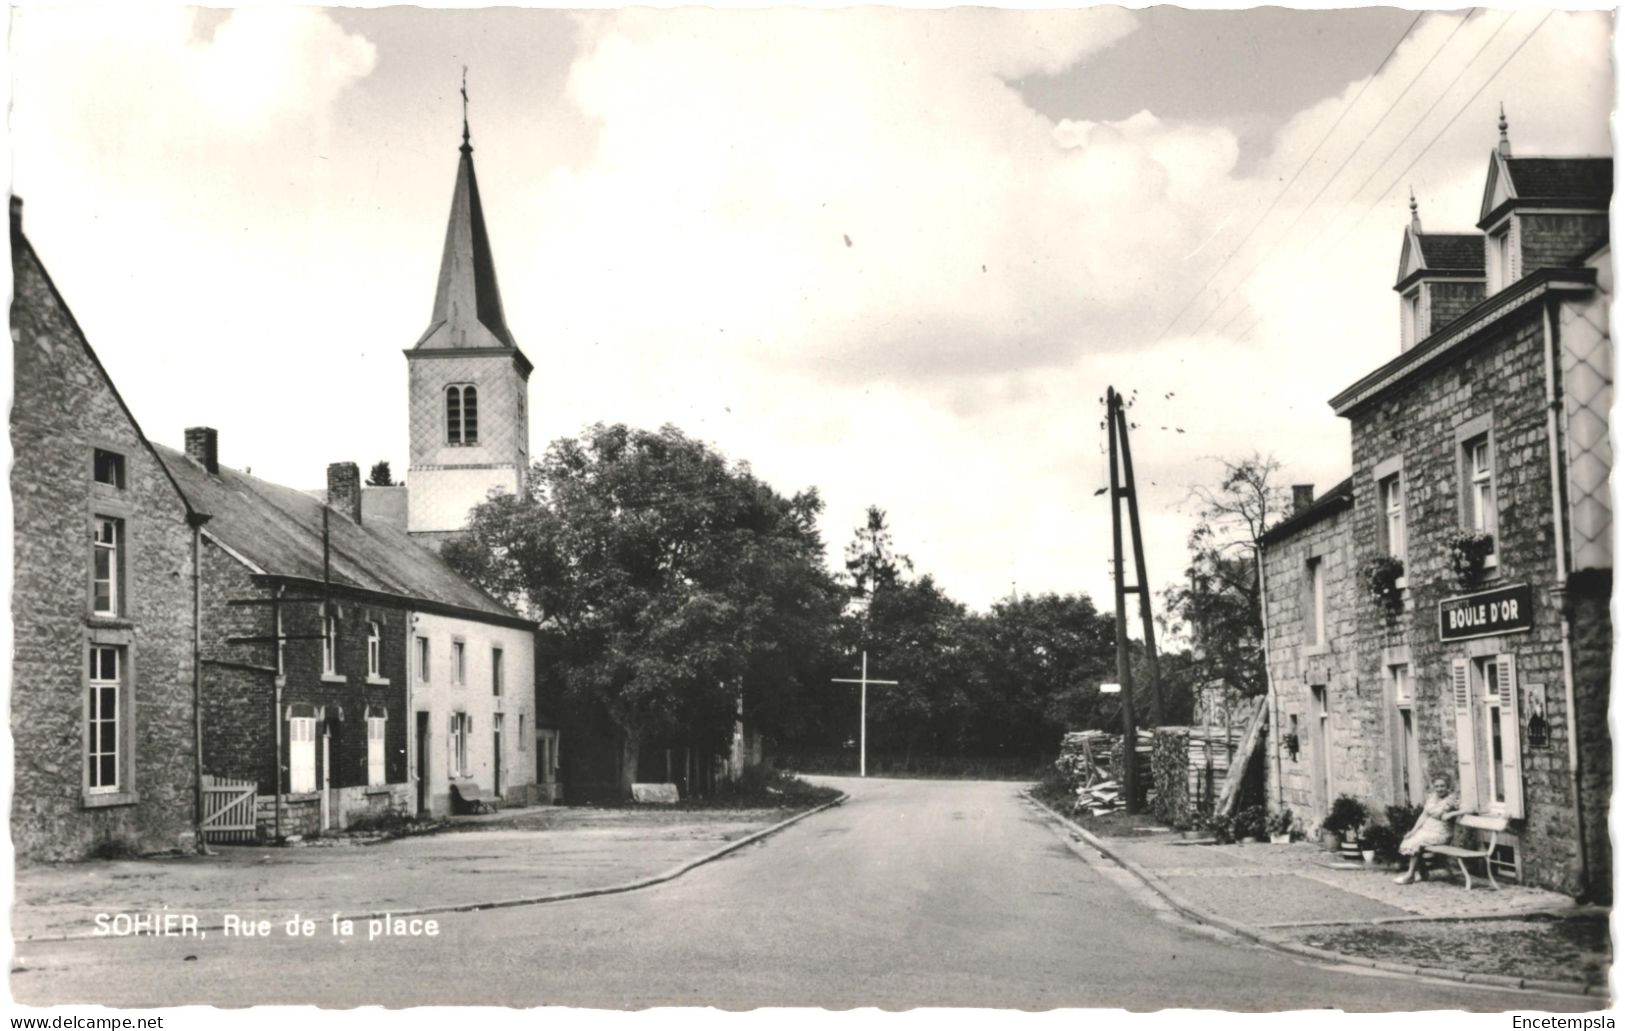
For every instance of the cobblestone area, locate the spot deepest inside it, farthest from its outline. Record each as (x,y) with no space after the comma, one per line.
(1206,873)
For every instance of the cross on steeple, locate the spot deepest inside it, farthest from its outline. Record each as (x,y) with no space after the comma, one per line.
(464,91)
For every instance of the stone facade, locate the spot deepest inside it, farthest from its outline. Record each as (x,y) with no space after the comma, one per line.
(1324,728)
(241,718)
(64,410)
(1515,720)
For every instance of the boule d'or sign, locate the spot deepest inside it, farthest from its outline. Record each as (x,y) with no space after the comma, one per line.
(1505,610)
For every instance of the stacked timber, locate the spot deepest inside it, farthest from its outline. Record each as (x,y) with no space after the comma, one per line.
(1189,767)
(1142,765)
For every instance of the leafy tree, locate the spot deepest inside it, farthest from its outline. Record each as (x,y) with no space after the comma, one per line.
(872,562)
(380,476)
(669,582)
(1217,608)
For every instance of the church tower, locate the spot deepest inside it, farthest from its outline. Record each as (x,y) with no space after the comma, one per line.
(470,427)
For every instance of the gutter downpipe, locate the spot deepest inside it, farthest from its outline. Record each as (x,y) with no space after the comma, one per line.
(1560,535)
(197,520)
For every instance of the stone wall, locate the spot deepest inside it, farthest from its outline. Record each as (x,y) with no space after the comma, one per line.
(1499,383)
(1352,738)
(63,408)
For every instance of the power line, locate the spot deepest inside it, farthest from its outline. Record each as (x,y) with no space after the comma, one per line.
(1395,149)
(1247,276)
(1419,155)
(1446,127)
(1291,182)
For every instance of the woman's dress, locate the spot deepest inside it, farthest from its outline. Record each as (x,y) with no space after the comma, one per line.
(1432,828)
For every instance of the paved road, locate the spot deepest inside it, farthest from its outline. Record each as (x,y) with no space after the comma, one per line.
(914,893)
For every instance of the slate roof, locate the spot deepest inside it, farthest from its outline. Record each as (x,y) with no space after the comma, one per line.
(467,303)
(279,529)
(1590,179)
(1455,251)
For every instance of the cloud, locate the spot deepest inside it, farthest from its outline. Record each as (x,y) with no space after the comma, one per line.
(865,193)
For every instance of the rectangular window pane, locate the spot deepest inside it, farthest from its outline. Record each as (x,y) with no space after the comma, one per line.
(109,468)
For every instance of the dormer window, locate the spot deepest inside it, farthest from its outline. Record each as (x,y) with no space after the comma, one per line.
(462,415)
(1498,258)
(1411,328)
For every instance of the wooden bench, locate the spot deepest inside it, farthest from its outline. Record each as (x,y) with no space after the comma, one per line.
(469,797)
(1491,823)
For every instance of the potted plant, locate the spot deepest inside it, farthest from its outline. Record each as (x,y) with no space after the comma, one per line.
(1378,844)
(1468,550)
(1222,828)
(1249,824)
(1280,827)
(1343,822)
(1380,575)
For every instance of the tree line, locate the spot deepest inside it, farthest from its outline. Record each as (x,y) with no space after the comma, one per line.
(673,587)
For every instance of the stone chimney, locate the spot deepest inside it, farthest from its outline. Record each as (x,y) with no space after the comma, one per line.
(203,447)
(344,490)
(1303,495)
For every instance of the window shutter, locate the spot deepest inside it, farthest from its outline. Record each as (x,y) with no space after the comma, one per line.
(1466,746)
(451,746)
(1511,742)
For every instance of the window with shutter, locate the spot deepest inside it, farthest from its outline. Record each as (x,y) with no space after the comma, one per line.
(1466,749)
(1511,747)
(301,755)
(375,751)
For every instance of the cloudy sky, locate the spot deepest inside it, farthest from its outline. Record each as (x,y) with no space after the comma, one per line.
(895,254)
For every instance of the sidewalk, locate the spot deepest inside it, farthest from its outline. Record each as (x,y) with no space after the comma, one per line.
(515,854)
(1303,899)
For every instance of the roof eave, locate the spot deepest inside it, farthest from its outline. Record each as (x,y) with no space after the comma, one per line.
(1457,274)
(416,604)
(1473,323)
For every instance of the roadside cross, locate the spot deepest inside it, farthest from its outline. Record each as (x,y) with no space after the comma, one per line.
(863,712)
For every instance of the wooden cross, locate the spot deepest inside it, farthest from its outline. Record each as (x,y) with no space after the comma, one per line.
(863,712)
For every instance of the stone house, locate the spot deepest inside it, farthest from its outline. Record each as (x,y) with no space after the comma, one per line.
(103,716)
(1480,464)
(313,683)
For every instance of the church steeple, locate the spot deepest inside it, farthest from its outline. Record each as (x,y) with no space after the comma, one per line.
(467,303)
(467,379)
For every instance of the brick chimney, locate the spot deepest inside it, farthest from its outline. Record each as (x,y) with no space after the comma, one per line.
(1303,495)
(344,490)
(203,447)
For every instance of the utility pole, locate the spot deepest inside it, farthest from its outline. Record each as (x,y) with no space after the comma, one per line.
(1131,736)
(1142,587)
(863,712)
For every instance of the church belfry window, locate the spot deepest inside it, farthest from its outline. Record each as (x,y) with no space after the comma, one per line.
(462,415)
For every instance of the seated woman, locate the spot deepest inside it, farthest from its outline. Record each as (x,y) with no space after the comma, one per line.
(1432,828)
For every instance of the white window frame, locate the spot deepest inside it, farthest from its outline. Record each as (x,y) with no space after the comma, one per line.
(104,684)
(1393,506)
(522,747)
(462,728)
(107,538)
(1498,266)
(459,662)
(497,686)
(375,639)
(1411,317)
(376,728)
(1480,497)
(1485,691)
(301,754)
(330,644)
(423,658)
